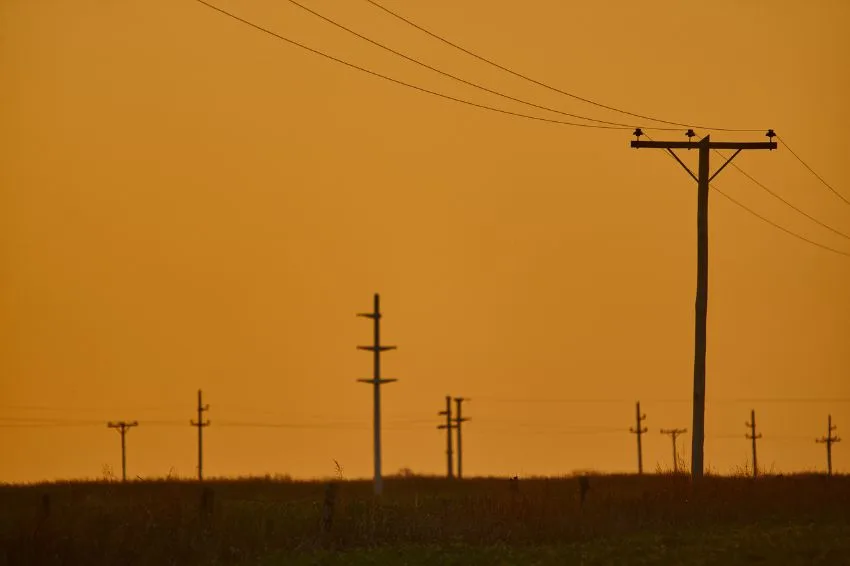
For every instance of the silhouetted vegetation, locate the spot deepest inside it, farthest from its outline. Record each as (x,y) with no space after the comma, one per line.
(803,518)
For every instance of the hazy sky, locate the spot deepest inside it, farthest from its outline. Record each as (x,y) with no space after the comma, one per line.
(189,203)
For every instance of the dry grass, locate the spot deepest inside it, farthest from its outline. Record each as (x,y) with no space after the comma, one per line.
(245,521)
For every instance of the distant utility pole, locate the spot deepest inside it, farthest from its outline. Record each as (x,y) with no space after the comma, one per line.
(753,436)
(705,145)
(376,348)
(123,427)
(459,420)
(448,426)
(638,430)
(201,423)
(829,440)
(674,432)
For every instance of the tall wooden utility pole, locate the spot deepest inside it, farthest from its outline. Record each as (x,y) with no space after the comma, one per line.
(201,423)
(639,431)
(674,432)
(753,436)
(448,426)
(705,145)
(123,427)
(459,420)
(376,348)
(829,440)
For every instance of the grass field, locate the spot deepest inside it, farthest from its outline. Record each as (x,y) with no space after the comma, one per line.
(653,519)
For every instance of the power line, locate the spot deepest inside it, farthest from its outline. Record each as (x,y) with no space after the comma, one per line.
(486,398)
(515,430)
(614,400)
(778,226)
(538,118)
(25,421)
(300,426)
(528,116)
(794,400)
(773,194)
(765,219)
(542,84)
(548,425)
(812,171)
(47,425)
(402,83)
(89,409)
(462,80)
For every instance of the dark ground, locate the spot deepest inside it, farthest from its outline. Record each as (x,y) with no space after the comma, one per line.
(653,519)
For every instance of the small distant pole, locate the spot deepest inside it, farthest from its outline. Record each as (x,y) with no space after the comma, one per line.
(376,348)
(459,420)
(829,440)
(201,423)
(753,436)
(638,430)
(448,426)
(123,427)
(674,432)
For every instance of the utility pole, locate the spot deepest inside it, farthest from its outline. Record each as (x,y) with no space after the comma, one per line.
(674,432)
(376,348)
(123,427)
(829,440)
(459,420)
(201,423)
(753,436)
(448,426)
(703,179)
(638,430)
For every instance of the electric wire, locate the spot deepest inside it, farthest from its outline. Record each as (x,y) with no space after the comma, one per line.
(553,431)
(783,200)
(46,425)
(36,422)
(767,220)
(778,226)
(518,114)
(546,85)
(403,83)
(464,81)
(812,171)
(773,194)
(307,426)
(790,400)
(390,425)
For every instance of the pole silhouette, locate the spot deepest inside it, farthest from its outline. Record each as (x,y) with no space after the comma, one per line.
(448,426)
(753,436)
(703,179)
(123,427)
(639,431)
(674,432)
(829,440)
(376,348)
(459,420)
(201,423)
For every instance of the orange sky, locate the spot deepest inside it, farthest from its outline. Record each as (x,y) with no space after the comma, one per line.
(189,203)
